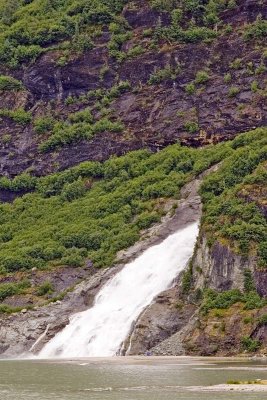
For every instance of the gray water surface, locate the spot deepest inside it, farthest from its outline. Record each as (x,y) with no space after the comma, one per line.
(125,379)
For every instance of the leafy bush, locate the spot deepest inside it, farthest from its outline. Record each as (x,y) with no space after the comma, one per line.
(244,226)
(20,116)
(81,116)
(222,300)
(10,83)
(256,30)
(11,289)
(233,91)
(45,288)
(93,210)
(96,208)
(201,77)
(191,126)
(262,320)
(190,88)
(187,279)
(161,75)
(65,134)
(43,124)
(250,344)
(249,285)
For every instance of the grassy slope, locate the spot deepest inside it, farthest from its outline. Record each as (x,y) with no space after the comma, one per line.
(94,210)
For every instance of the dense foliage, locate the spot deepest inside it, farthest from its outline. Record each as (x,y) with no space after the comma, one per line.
(93,210)
(233,197)
(27,28)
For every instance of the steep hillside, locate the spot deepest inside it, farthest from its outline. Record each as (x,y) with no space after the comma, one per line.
(96,79)
(108,108)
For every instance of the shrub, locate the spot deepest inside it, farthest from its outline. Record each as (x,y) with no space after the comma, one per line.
(45,288)
(190,88)
(256,30)
(81,116)
(250,344)
(146,219)
(249,285)
(20,116)
(262,253)
(11,289)
(123,195)
(233,91)
(43,124)
(227,78)
(222,300)
(236,64)
(161,75)
(254,86)
(262,320)
(73,191)
(10,83)
(187,279)
(135,51)
(201,77)
(253,300)
(191,126)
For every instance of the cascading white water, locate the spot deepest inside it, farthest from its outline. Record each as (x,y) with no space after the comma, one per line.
(101,330)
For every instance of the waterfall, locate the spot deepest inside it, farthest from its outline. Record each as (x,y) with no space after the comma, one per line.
(101,330)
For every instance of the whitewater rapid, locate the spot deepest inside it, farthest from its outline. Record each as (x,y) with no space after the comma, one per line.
(101,330)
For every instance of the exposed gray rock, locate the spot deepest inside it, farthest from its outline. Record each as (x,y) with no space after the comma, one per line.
(218,267)
(20,331)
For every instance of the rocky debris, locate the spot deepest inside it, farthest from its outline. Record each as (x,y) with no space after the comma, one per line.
(20,331)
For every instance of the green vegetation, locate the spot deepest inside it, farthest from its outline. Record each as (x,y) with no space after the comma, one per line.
(227,214)
(201,77)
(29,28)
(224,300)
(262,321)
(10,83)
(256,30)
(190,88)
(191,126)
(187,279)
(250,344)
(233,91)
(93,210)
(11,289)
(19,116)
(64,133)
(249,285)
(166,73)
(45,288)
(191,21)
(43,124)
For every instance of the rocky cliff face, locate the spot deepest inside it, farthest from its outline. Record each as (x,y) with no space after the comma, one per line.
(196,93)
(154,114)
(175,325)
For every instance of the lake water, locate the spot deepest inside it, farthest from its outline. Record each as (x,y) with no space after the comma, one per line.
(132,378)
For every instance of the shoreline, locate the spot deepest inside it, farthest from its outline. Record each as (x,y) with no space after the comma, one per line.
(190,360)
